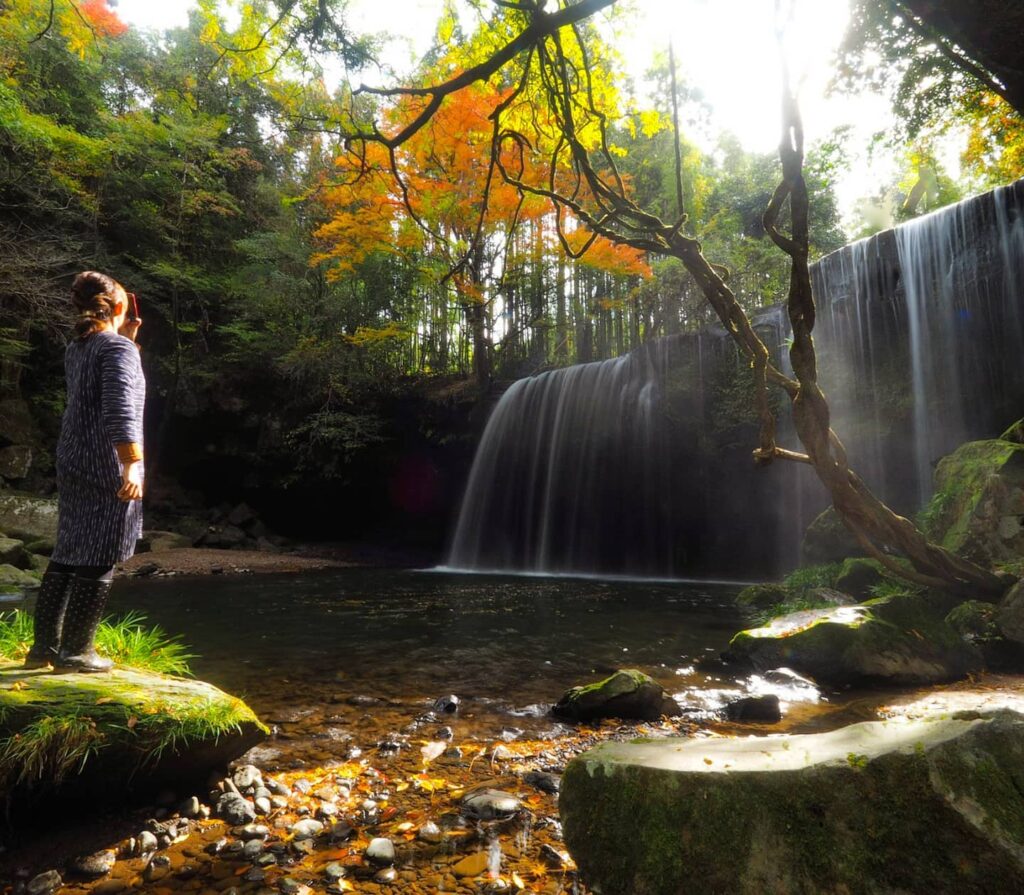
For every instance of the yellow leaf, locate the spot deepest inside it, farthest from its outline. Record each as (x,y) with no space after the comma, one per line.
(517,881)
(103,700)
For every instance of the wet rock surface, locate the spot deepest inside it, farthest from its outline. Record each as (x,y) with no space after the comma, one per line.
(901,806)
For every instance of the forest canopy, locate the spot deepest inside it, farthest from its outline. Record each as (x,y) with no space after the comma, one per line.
(283,267)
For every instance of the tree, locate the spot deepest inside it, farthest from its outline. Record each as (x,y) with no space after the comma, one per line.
(553,48)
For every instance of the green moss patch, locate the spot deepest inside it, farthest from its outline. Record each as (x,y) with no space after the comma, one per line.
(979,496)
(54,726)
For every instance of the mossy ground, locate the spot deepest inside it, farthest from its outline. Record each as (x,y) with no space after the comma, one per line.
(52,724)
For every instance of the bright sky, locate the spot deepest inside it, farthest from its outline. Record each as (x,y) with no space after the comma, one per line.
(726,48)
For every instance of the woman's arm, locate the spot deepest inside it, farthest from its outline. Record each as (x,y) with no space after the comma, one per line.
(121,373)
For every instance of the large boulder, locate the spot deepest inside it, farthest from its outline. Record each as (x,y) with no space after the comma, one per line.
(13,552)
(899,640)
(17,424)
(978,507)
(13,579)
(828,540)
(15,462)
(161,541)
(858,576)
(28,518)
(904,807)
(127,730)
(626,694)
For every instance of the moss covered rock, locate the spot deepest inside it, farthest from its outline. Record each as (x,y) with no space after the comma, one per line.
(13,552)
(892,640)
(626,694)
(13,579)
(128,729)
(858,576)
(978,507)
(827,540)
(762,597)
(27,517)
(913,807)
(1015,433)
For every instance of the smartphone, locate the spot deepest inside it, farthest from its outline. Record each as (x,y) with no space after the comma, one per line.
(133,307)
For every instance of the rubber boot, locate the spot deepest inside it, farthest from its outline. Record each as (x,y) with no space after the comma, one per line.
(86,600)
(51,603)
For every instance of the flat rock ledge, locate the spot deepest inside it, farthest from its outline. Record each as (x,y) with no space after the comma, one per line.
(898,806)
(125,732)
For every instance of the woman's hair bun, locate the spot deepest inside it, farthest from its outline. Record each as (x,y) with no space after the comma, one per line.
(94,295)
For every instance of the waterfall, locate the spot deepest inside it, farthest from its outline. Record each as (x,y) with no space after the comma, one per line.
(625,466)
(572,473)
(921,341)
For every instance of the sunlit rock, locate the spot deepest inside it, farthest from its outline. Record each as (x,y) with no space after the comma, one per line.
(903,806)
(124,731)
(626,694)
(893,640)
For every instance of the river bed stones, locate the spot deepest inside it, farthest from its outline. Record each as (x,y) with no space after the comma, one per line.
(235,809)
(905,806)
(490,804)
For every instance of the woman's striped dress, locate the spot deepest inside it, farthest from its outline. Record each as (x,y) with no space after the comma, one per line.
(106,396)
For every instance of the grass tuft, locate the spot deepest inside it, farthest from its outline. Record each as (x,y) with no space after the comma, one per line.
(127,640)
(48,749)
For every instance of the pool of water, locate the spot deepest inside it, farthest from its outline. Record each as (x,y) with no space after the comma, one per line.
(349,657)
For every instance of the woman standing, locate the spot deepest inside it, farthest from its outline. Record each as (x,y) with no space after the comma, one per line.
(99,476)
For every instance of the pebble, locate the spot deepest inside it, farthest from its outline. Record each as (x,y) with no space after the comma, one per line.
(335,871)
(381,851)
(327,810)
(473,865)
(278,788)
(448,704)
(253,831)
(341,831)
(325,794)
(490,804)
(303,786)
(430,832)
(554,858)
(444,733)
(235,810)
(543,781)
(145,843)
(264,805)
(109,887)
(307,829)
(252,849)
(247,777)
(254,875)
(190,808)
(157,868)
(217,846)
(387,875)
(44,883)
(95,865)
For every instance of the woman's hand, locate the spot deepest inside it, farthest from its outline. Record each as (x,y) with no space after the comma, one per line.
(131,481)
(130,328)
